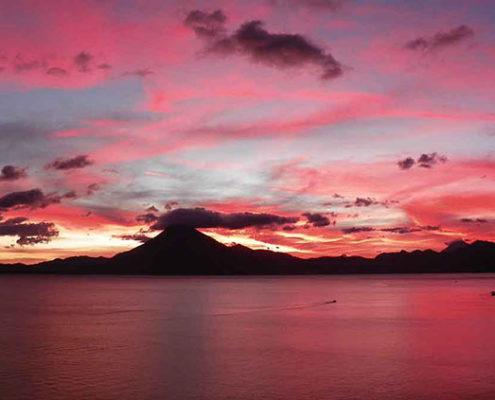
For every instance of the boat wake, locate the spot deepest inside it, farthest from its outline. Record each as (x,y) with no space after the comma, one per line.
(275,309)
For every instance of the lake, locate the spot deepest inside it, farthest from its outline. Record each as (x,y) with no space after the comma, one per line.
(127,337)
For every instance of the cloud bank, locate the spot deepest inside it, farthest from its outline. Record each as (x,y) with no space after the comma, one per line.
(441,39)
(33,198)
(203,218)
(28,233)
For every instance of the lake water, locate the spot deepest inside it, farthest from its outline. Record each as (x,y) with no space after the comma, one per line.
(387,337)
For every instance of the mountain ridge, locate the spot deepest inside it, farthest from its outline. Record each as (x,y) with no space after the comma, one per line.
(180,250)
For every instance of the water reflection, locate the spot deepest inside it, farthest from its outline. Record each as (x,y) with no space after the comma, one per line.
(387,337)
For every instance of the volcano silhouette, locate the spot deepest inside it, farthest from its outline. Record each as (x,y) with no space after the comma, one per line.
(180,250)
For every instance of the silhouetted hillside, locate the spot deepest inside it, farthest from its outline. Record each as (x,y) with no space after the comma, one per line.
(186,251)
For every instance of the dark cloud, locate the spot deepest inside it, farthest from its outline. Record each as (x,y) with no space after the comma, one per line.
(21,65)
(417,44)
(56,71)
(105,67)
(28,233)
(28,198)
(474,220)
(406,163)
(203,218)
(83,61)
(92,188)
(79,161)
(430,228)
(138,237)
(152,209)
(356,229)
(429,160)
(209,25)
(138,72)
(11,173)
(254,41)
(170,205)
(365,202)
(283,50)
(425,160)
(441,39)
(316,219)
(401,230)
(369,201)
(15,220)
(289,228)
(34,198)
(410,229)
(69,195)
(147,218)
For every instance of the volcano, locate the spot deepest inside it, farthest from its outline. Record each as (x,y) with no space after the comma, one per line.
(183,250)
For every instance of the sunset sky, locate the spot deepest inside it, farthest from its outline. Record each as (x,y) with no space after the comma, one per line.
(352,127)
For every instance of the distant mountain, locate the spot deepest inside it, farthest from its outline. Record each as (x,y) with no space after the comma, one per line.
(186,251)
(455,245)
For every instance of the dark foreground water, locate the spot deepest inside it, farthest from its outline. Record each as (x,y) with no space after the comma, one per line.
(387,337)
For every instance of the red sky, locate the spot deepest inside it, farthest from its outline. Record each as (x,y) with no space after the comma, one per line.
(316,127)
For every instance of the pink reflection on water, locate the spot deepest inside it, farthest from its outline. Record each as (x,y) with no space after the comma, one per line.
(387,337)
